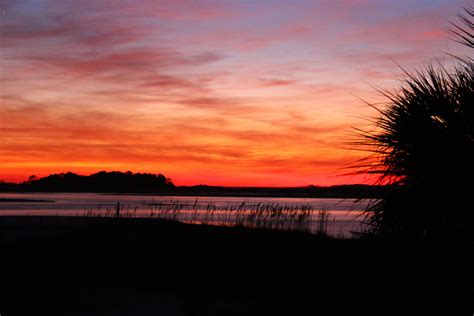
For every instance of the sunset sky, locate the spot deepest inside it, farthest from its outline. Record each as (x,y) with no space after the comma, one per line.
(218,92)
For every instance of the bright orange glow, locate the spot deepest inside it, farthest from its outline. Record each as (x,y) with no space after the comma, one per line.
(222,93)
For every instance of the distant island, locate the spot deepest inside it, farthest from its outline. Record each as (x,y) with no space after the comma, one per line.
(103,182)
(158,184)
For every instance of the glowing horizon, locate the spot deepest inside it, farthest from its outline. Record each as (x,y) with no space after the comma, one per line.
(235,93)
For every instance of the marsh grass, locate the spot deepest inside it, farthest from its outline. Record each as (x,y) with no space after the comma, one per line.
(276,216)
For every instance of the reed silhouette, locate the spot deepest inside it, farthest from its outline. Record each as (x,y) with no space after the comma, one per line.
(422,146)
(261,215)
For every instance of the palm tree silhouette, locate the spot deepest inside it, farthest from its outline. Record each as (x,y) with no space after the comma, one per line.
(423,149)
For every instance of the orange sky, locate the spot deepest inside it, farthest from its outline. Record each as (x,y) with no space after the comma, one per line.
(206,92)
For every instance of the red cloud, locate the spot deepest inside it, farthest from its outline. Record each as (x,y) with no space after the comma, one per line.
(246,91)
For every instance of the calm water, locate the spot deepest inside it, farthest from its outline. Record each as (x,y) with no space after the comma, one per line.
(343,214)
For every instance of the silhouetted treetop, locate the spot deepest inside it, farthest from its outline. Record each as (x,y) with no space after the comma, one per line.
(103,181)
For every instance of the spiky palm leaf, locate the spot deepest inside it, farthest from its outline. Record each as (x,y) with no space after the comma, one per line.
(423,148)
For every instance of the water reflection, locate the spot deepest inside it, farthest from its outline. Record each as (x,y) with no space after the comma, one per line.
(338,217)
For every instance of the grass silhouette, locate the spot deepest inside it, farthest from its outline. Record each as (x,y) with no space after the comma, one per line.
(275,216)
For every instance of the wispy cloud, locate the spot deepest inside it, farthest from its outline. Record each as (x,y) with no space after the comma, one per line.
(252,92)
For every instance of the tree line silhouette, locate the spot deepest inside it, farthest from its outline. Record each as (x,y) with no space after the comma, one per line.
(128,182)
(103,181)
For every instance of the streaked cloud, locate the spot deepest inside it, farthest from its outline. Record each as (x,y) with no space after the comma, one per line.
(254,93)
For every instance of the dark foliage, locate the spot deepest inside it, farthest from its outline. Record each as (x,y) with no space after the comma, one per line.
(99,182)
(8,187)
(423,147)
(463,30)
(55,183)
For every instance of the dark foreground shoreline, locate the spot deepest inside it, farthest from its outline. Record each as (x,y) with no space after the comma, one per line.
(104,266)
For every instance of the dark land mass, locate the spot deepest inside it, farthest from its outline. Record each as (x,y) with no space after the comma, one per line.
(158,184)
(107,266)
(23,200)
(104,182)
(337,191)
